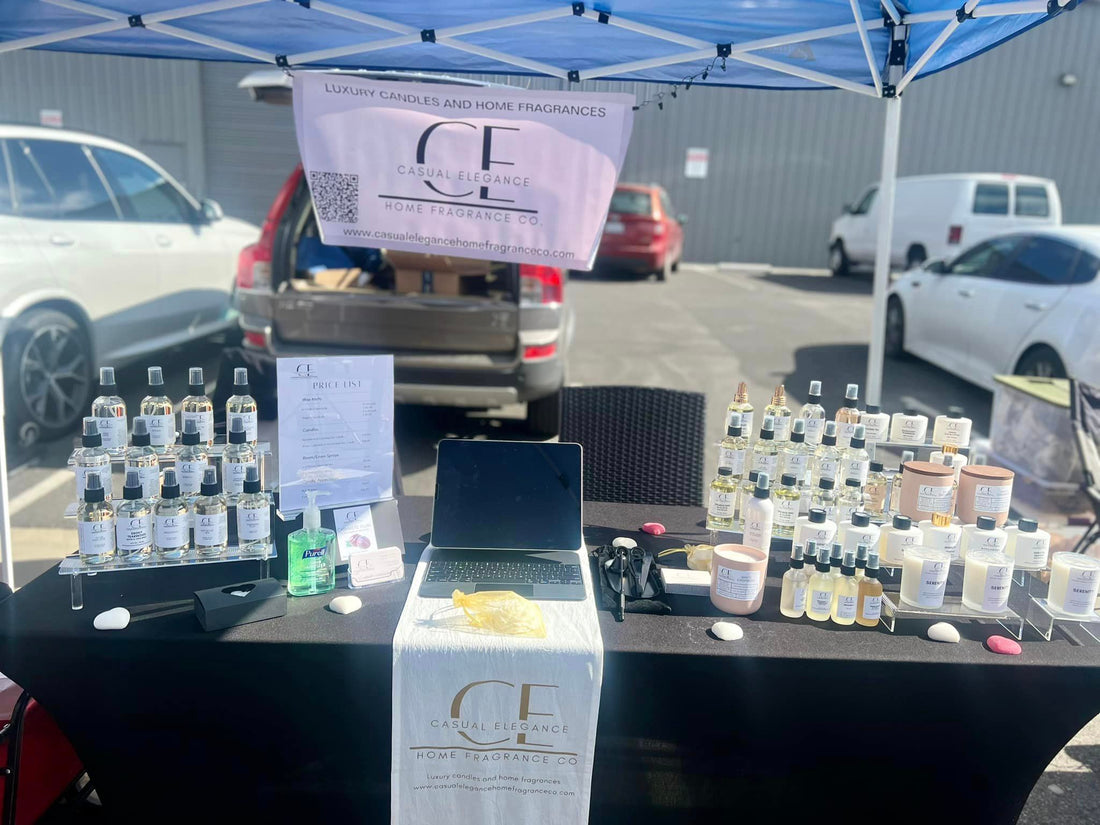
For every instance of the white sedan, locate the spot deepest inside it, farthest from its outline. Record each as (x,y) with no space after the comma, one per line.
(1026,303)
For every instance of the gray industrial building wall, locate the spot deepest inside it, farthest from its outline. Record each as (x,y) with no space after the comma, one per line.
(781,163)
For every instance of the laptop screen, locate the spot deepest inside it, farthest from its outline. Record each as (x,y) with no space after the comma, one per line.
(507,495)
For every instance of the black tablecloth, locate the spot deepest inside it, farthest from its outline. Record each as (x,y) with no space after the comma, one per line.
(289,719)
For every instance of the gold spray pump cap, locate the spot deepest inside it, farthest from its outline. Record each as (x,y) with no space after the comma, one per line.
(742,393)
(779,397)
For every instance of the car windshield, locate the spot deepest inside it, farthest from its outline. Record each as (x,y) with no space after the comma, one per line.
(629,202)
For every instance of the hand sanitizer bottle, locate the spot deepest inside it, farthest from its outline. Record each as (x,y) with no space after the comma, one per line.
(109,411)
(240,403)
(311,554)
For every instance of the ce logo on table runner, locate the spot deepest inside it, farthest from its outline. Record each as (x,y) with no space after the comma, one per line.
(488,733)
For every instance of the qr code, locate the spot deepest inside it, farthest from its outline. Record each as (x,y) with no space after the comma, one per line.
(335,196)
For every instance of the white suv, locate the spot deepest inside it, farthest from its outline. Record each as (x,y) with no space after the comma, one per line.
(103,258)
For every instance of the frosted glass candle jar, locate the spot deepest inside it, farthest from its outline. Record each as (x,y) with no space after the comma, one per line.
(953,429)
(924,577)
(1074,581)
(984,490)
(987,581)
(925,489)
(737,577)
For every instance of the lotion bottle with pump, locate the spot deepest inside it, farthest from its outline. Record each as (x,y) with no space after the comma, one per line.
(759,516)
(311,554)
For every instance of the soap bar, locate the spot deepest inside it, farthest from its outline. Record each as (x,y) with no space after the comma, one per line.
(686,582)
(345,604)
(727,631)
(654,528)
(944,632)
(114,619)
(1004,645)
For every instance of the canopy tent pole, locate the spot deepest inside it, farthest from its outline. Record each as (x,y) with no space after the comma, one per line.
(7,573)
(891,137)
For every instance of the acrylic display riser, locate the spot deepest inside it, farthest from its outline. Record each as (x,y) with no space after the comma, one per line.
(952,609)
(1042,617)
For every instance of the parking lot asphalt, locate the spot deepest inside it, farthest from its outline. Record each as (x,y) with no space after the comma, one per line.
(705,329)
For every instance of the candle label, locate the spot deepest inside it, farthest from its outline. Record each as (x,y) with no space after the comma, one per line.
(872,607)
(211,530)
(1080,591)
(821,601)
(933,499)
(815,429)
(998,581)
(721,504)
(826,468)
(746,424)
(135,533)
(846,607)
(844,433)
(800,600)
(766,464)
(786,512)
(933,580)
(734,459)
(739,585)
(95,538)
(856,468)
(990,498)
(797,464)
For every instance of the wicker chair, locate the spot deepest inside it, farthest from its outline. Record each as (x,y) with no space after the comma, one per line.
(641,445)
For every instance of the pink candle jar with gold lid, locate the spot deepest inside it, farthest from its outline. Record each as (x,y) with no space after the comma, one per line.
(925,489)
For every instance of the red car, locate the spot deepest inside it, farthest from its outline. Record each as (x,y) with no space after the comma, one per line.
(641,234)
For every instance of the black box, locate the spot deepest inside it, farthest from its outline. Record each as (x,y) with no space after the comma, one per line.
(217,607)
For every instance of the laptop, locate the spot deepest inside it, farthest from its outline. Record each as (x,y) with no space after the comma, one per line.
(507,516)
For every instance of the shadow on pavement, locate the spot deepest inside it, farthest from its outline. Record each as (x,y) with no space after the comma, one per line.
(601,273)
(850,285)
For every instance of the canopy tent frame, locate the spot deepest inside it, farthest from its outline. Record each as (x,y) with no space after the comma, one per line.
(886,83)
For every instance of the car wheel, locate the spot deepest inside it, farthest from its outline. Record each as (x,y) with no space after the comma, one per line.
(1041,361)
(676,265)
(47,375)
(544,415)
(895,328)
(915,256)
(665,270)
(839,264)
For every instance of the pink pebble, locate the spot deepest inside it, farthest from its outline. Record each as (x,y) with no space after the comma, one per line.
(1002,644)
(654,528)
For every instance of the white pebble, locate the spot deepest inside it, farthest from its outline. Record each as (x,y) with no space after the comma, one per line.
(727,631)
(114,619)
(1057,790)
(944,632)
(345,604)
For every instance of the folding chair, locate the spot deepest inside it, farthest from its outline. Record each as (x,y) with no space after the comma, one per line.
(1085,414)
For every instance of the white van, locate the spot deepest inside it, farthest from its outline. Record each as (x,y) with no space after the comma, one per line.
(937,216)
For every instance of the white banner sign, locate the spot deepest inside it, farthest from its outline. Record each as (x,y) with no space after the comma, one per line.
(476,172)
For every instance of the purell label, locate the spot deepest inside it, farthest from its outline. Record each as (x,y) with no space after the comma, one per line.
(1081,589)
(204,423)
(721,504)
(856,468)
(998,582)
(796,464)
(211,530)
(990,498)
(786,511)
(799,599)
(314,553)
(134,532)
(249,421)
(782,424)
(872,607)
(734,459)
(821,601)
(172,531)
(95,538)
(105,479)
(739,585)
(253,524)
(932,499)
(162,429)
(233,473)
(150,479)
(765,463)
(746,424)
(826,468)
(189,474)
(846,607)
(815,429)
(933,580)
(113,429)
(844,433)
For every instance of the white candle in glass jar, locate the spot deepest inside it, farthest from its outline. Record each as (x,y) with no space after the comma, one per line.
(1074,581)
(987,580)
(924,577)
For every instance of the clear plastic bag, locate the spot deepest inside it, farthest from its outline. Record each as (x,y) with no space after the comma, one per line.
(502,612)
(698,555)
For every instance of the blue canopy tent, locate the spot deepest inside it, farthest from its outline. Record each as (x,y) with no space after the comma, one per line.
(869,47)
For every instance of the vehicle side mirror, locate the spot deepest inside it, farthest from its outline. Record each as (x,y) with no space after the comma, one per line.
(212,210)
(937,267)
(682,219)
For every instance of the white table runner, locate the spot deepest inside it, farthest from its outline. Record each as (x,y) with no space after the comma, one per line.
(493,729)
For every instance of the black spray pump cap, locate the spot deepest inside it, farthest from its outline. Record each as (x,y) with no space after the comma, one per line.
(133,489)
(210,484)
(838,552)
(861,556)
(876,466)
(955,412)
(798,431)
(762,484)
(93,488)
(910,411)
(874,409)
(829,438)
(851,482)
(817,515)
(826,483)
(140,435)
(822,562)
(872,565)
(796,557)
(107,380)
(252,479)
(859,437)
(860,519)
(1027,525)
(195,384)
(190,435)
(734,429)
(156,377)
(788,479)
(767,428)
(91,436)
(170,485)
(722,471)
(986,523)
(240,381)
(902,522)
(753,475)
(236,430)
(848,568)
(815,392)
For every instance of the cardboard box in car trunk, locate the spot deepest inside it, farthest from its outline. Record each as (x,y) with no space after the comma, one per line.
(437,263)
(439,274)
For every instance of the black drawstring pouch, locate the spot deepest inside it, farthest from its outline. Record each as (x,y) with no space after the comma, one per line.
(629,581)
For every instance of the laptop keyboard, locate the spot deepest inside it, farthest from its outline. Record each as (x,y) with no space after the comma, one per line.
(504,572)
